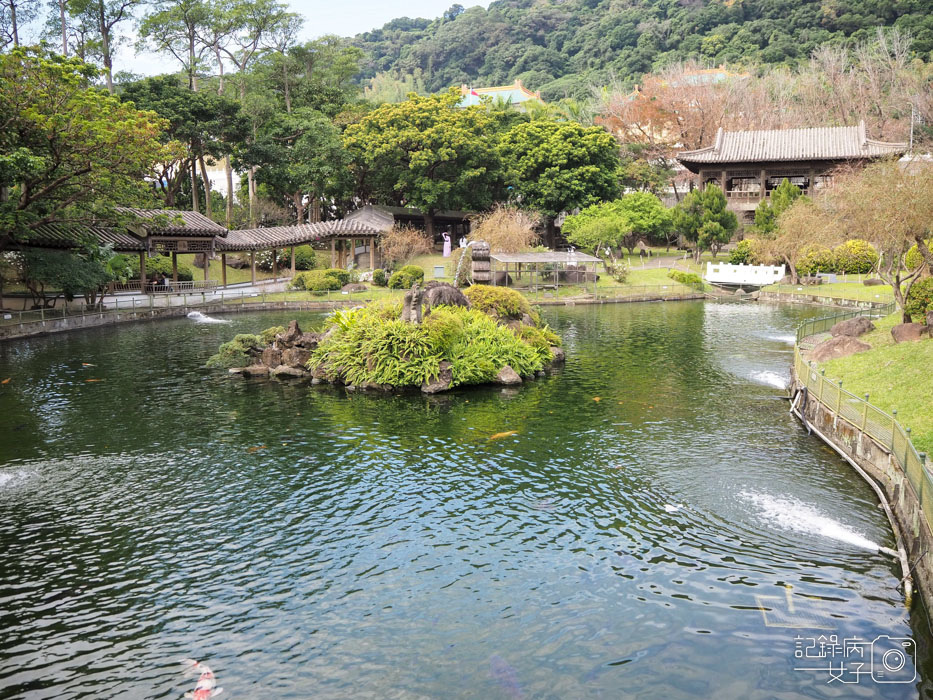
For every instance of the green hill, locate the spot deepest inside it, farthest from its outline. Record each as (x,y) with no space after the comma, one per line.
(561,46)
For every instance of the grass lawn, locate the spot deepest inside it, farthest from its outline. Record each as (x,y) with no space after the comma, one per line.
(895,376)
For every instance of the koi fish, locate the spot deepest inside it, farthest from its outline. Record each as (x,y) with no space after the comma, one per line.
(87,364)
(206,685)
(88,381)
(6,381)
(596,399)
(506,676)
(251,450)
(507,433)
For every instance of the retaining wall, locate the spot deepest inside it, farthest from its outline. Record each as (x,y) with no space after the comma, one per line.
(69,323)
(878,462)
(820,300)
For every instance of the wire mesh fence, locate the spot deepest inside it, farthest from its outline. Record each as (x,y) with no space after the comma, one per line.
(824,323)
(872,421)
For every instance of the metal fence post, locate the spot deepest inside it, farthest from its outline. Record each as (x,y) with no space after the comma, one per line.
(906,447)
(865,414)
(839,398)
(893,427)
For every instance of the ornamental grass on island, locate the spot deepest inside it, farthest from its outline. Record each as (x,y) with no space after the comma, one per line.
(493,336)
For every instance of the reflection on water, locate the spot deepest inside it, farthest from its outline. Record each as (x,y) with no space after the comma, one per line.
(313,543)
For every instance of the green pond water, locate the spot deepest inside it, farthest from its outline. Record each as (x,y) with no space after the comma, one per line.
(309,543)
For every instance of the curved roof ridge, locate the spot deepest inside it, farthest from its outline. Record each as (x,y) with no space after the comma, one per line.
(797,144)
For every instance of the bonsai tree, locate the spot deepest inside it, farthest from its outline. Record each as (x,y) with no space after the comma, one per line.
(703,220)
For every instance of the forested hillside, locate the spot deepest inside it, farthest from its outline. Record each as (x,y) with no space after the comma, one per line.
(561,46)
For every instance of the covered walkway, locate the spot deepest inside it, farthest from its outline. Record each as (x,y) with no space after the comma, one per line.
(163,231)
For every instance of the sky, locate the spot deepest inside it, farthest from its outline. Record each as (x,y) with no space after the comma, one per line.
(322,17)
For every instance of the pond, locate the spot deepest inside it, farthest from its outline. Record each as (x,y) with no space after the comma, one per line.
(656,526)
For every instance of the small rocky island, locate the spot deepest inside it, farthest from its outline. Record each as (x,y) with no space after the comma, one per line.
(436,339)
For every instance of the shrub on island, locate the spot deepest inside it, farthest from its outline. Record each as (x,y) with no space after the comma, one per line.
(501,301)
(374,346)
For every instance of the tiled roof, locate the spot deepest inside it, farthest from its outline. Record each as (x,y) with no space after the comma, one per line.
(192,223)
(826,143)
(282,236)
(59,236)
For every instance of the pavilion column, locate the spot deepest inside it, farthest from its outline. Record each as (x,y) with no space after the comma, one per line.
(223,269)
(333,252)
(142,271)
(372,253)
(764,185)
(275,267)
(293,261)
(811,178)
(722,182)
(252,266)
(207,266)
(174,268)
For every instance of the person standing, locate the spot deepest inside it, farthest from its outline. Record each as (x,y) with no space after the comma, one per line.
(446,235)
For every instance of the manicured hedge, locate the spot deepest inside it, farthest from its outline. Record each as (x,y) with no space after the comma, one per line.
(406,276)
(688,278)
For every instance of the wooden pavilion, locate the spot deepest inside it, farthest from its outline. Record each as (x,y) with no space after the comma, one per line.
(545,269)
(749,165)
(383,218)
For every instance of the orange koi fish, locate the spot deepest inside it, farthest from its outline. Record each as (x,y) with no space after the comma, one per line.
(507,433)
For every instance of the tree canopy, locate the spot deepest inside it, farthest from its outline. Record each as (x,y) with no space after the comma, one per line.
(427,153)
(769,210)
(552,167)
(71,153)
(561,47)
(703,219)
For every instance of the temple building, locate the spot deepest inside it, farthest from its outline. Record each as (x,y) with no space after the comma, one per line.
(749,165)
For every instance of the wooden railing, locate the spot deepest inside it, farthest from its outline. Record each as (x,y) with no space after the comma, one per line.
(156,287)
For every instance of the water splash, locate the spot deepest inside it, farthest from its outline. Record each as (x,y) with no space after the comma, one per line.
(788,338)
(9,479)
(769,378)
(791,514)
(198,317)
